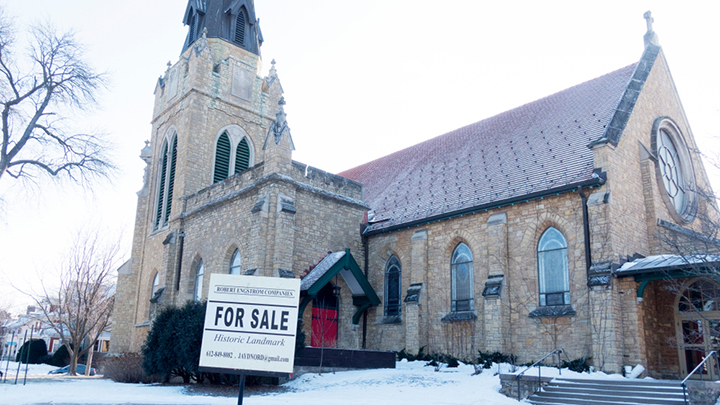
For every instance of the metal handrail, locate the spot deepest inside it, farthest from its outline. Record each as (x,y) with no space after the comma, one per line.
(711,354)
(519,375)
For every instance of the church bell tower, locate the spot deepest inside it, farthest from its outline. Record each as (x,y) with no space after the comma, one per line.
(212,115)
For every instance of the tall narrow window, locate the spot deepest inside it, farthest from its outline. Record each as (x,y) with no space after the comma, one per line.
(553,269)
(462,279)
(235,263)
(242,156)
(166,182)
(155,284)
(392,287)
(161,186)
(193,28)
(199,272)
(240,28)
(171,178)
(222,158)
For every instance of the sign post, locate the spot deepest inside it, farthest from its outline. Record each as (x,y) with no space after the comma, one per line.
(250,326)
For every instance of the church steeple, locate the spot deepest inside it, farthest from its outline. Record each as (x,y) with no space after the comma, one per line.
(231,20)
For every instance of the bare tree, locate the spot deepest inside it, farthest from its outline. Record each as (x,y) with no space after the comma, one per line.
(35,94)
(81,307)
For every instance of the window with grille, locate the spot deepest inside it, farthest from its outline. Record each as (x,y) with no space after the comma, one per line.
(240,29)
(553,269)
(461,270)
(166,182)
(392,287)
(235,263)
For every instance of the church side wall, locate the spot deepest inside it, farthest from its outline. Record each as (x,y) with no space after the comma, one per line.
(529,338)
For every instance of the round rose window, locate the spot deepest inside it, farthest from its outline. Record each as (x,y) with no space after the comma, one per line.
(674,169)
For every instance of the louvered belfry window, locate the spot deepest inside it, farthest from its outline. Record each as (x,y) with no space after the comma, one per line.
(161,185)
(233,155)
(171,179)
(240,28)
(222,158)
(166,183)
(242,157)
(193,29)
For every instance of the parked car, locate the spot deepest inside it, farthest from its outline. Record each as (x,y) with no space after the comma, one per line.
(80,369)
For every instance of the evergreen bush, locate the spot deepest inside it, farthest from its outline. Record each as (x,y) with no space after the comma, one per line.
(61,357)
(486,359)
(578,365)
(172,347)
(37,349)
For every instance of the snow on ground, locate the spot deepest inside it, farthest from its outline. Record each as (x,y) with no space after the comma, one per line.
(410,382)
(32,369)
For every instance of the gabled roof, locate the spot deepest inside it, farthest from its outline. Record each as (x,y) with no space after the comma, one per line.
(344,264)
(538,147)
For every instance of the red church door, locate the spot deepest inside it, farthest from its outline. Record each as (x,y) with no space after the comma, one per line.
(324,318)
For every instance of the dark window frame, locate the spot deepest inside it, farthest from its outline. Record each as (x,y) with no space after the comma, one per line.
(559,296)
(462,299)
(393,270)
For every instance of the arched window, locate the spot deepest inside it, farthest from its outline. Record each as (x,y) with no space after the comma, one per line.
(701,295)
(199,272)
(461,270)
(222,158)
(239,37)
(166,181)
(235,263)
(242,156)
(553,269)
(392,287)
(233,153)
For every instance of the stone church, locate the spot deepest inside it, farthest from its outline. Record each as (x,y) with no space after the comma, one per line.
(577,221)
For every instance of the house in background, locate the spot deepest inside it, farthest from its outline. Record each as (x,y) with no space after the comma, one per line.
(576,221)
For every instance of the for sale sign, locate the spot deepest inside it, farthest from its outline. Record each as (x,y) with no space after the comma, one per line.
(250,324)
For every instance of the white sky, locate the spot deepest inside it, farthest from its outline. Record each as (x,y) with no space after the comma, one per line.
(362,79)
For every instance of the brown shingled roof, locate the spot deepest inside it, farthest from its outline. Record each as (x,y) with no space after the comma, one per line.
(536,147)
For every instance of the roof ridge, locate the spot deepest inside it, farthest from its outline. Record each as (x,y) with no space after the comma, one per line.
(496,116)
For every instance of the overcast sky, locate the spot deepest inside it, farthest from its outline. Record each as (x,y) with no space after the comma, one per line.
(362,79)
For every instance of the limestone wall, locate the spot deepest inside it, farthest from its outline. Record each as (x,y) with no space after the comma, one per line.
(505,247)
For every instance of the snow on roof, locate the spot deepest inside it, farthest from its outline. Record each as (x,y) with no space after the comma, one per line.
(664,262)
(319,270)
(539,146)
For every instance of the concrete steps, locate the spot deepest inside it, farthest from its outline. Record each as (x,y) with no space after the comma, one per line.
(609,392)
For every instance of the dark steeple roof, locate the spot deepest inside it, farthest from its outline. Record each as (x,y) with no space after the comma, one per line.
(231,20)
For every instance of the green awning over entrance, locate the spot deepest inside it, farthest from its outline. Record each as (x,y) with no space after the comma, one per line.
(667,267)
(344,264)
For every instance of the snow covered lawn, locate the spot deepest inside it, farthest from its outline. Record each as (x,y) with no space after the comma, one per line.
(407,384)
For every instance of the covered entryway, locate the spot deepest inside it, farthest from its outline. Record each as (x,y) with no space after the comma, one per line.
(681,313)
(322,287)
(697,322)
